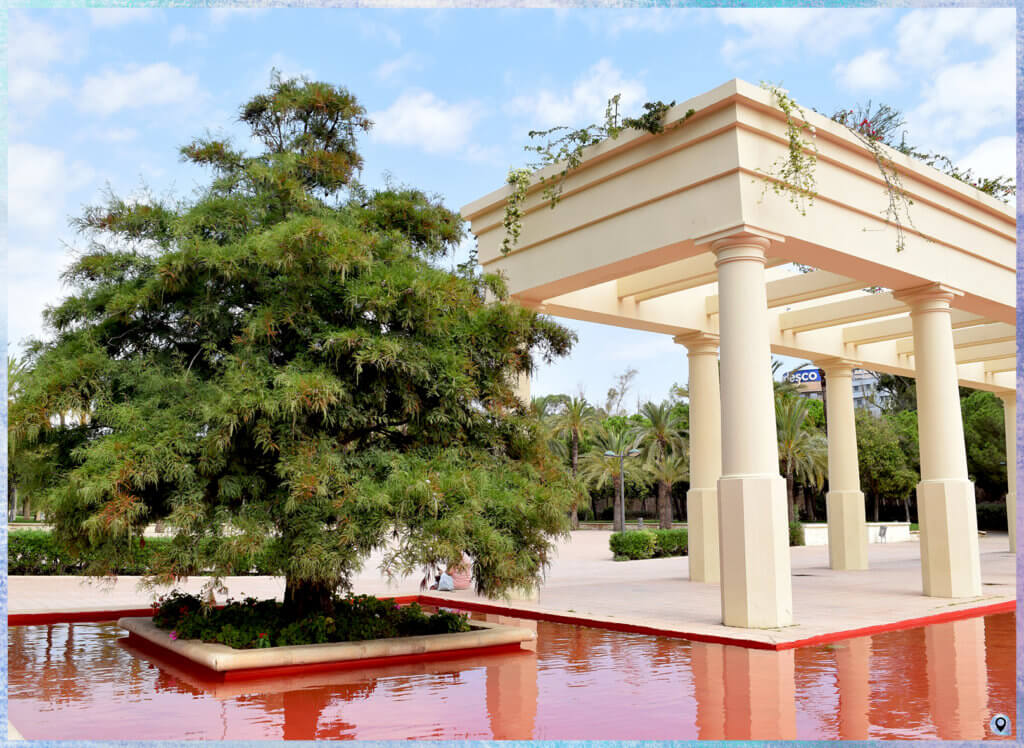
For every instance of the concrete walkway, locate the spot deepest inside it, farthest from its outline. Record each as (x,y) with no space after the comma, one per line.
(584,581)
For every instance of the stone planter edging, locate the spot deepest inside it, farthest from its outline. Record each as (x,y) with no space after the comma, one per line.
(222,659)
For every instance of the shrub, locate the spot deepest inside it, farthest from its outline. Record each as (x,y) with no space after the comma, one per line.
(992,515)
(796,533)
(671,542)
(607,514)
(37,553)
(252,623)
(585,513)
(633,544)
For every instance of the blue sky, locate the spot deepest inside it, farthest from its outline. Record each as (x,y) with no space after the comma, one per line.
(100,97)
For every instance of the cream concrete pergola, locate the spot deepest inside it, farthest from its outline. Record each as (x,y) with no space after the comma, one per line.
(676,234)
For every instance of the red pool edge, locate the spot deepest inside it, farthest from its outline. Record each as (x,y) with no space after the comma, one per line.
(1007,606)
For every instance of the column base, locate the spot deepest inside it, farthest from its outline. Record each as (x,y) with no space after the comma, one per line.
(847,530)
(950,564)
(1011,518)
(753,534)
(702,533)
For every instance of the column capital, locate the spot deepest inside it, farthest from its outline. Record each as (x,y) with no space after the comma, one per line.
(746,247)
(836,367)
(698,342)
(931,297)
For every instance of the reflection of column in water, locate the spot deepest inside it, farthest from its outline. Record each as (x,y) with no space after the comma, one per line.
(853,670)
(759,694)
(512,691)
(708,664)
(957,680)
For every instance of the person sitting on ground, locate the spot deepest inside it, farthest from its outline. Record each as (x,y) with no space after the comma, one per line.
(444,583)
(462,573)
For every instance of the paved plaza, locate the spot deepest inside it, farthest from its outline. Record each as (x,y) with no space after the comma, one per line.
(584,581)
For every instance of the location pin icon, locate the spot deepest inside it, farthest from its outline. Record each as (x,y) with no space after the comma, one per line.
(1000,724)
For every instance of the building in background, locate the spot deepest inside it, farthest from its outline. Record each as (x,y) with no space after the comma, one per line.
(808,377)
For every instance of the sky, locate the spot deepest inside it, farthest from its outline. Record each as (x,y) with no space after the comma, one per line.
(103,99)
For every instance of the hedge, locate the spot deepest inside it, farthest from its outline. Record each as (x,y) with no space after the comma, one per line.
(796,533)
(37,553)
(992,515)
(632,545)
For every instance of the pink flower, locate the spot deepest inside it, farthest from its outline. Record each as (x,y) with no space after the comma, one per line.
(174,635)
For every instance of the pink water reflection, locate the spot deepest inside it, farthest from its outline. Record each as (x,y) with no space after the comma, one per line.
(79,681)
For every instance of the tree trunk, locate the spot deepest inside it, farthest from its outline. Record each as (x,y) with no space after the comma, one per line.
(574,517)
(874,509)
(906,508)
(789,492)
(303,599)
(664,505)
(619,512)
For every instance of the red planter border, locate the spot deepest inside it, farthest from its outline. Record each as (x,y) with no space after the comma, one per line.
(28,619)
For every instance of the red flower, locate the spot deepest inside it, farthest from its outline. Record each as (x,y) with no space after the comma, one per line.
(262,635)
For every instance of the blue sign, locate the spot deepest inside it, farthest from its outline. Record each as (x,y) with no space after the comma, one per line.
(802,376)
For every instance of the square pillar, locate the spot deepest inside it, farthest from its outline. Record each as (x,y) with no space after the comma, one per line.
(844,502)
(754,529)
(705,456)
(950,561)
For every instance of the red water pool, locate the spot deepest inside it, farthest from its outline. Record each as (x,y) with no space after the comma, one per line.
(82,681)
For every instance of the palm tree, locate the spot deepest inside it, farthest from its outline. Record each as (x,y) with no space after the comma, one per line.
(597,470)
(671,469)
(660,436)
(803,450)
(15,371)
(573,422)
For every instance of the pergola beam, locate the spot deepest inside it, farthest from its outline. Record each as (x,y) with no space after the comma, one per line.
(680,275)
(840,313)
(894,329)
(988,352)
(999,332)
(797,288)
(1001,364)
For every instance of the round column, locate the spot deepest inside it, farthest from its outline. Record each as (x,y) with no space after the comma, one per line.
(705,456)
(753,534)
(1010,420)
(950,564)
(844,502)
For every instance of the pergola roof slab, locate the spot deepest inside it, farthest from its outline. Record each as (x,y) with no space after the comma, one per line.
(629,242)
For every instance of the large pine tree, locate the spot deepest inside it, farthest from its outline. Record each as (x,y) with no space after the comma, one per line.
(281,368)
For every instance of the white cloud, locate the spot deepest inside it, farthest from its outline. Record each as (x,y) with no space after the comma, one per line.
(995,157)
(924,35)
(39,179)
(159,84)
(419,118)
(377,30)
(34,44)
(587,99)
(963,100)
(395,68)
(182,34)
(871,70)
(786,31)
(106,18)
(33,283)
(32,91)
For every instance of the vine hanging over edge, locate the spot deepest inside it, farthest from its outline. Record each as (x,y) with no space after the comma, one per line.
(793,175)
(567,148)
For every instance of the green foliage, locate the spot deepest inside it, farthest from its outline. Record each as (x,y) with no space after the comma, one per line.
(633,544)
(40,553)
(671,542)
(885,473)
(586,514)
(565,145)
(992,515)
(796,534)
(803,448)
(255,623)
(640,544)
(281,367)
(793,175)
(985,436)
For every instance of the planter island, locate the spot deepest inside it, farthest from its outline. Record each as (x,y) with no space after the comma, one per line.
(226,663)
